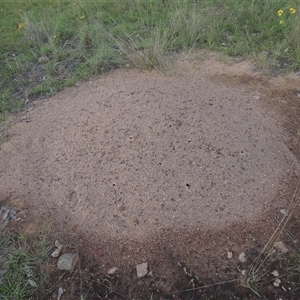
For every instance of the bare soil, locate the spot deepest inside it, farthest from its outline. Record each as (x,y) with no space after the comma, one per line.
(164,168)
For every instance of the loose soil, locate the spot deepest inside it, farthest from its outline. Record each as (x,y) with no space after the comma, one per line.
(165,168)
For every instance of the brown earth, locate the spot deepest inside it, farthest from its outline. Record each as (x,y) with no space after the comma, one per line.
(142,166)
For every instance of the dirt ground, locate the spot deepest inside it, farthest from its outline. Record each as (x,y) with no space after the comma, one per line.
(170,168)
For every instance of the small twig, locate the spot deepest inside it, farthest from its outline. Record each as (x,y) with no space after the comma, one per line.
(209,285)
(278,229)
(112,290)
(297,289)
(289,235)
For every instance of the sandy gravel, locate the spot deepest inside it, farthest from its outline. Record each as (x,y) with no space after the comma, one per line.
(133,152)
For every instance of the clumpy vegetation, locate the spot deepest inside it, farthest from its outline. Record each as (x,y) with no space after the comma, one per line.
(24,268)
(47,45)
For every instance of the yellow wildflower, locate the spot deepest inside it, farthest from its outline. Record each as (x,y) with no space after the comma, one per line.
(82,17)
(280,12)
(292,10)
(21,26)
(281,22)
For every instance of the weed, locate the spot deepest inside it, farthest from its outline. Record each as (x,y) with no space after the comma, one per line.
(253,277)
(3,128)
(23,266)
(49,45)
(250,281)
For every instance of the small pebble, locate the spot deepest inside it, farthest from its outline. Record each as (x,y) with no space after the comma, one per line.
(43,60)
(32,283)
(112,271)
(59,293)
(280,246)
(275,273)
(142,269)
(277,282)
(242,257)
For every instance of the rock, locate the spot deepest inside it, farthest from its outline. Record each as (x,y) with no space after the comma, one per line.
(243,272)
(142,269)
(4,208)
(32,283)
(28,271)
(280,246)
(43,60)
(67,261)
(58,245)
(229,254)
(275,273)
(242,257)
(59,293)
(56,252)
(112,271)
(277,282)
(12,213)
(284,212)
(9,213)
(5,215)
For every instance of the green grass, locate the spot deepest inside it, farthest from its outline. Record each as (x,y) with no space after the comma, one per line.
(23,266)
(47,45)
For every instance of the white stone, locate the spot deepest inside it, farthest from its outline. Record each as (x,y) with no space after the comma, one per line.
(55,253)
(229,254)
(58,246)
(59,293)
(142,269)
(280,246)
(277,282)
(112,271)
(275,273)
(242,257)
